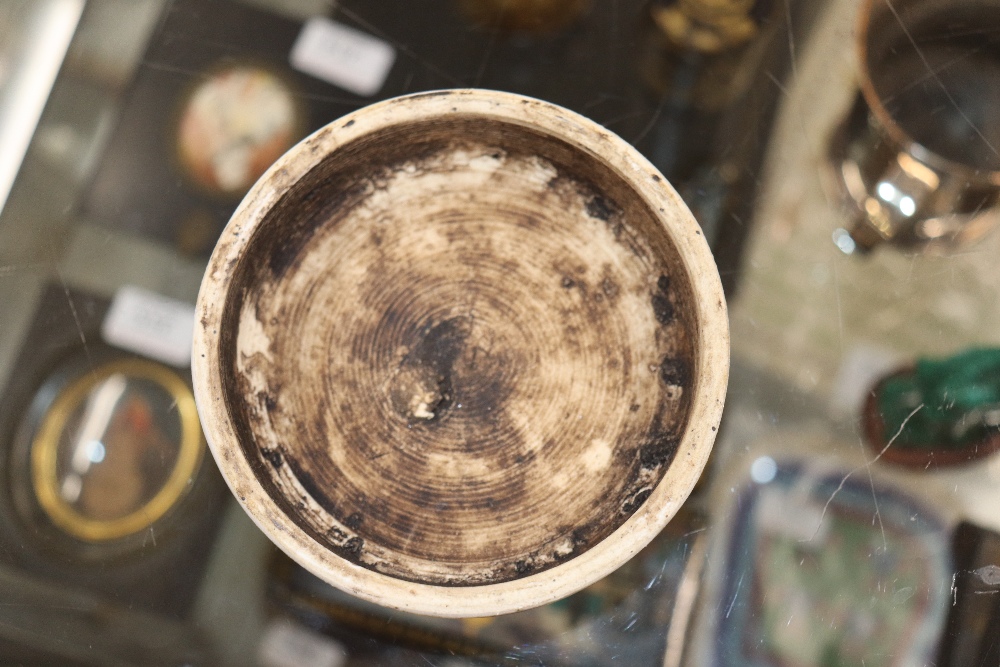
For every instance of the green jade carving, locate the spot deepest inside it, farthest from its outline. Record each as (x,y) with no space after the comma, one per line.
(943,404)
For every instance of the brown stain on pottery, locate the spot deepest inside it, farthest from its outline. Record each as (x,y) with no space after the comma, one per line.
(467,356)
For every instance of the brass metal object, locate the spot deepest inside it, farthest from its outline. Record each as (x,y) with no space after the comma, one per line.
(45,451)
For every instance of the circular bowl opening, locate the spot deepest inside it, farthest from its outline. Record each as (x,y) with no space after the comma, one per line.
(461,353)
(931,73)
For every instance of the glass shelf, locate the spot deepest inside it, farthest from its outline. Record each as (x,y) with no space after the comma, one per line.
(803,544)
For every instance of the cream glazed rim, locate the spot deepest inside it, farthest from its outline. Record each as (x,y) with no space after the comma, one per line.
(710,343)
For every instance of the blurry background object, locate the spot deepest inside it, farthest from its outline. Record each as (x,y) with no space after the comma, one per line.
(34,38)
(805,305)
(937,412)
(625,616)
(104,462)
(916,159)
(717,69)
(970,637)
(109,507)
(213,103)
(115,449)
(233,125)
(694,57)
(799,574)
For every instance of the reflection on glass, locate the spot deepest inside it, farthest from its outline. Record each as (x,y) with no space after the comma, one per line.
(763,470)
(116,450)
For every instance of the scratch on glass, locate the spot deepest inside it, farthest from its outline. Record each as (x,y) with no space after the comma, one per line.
(866,465)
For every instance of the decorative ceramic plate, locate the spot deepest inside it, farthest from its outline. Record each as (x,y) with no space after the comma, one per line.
(233,125)
(825,567)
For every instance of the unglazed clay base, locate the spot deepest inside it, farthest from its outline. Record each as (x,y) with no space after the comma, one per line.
(461,353)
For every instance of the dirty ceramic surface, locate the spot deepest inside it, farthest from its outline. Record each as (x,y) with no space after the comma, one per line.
(507,308)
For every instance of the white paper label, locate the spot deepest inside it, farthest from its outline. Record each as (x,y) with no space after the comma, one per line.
(286,644)
(343,56)
(150,324)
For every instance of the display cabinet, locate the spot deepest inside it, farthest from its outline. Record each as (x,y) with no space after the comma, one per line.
(841,160)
